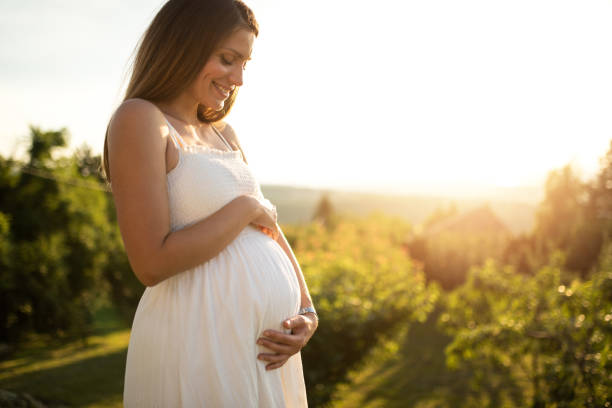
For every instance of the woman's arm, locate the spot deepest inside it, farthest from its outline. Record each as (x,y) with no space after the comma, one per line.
(137,140)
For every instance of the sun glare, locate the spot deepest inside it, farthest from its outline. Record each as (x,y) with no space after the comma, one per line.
(350,93)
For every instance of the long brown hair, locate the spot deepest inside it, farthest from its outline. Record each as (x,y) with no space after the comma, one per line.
(174,49)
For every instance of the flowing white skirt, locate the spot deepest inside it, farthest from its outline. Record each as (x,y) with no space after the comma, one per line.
(193,339)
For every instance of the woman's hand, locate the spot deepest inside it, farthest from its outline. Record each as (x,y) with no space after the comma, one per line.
(266,221)
(285,345)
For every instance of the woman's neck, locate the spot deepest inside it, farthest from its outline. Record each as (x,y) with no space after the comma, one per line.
(183,110)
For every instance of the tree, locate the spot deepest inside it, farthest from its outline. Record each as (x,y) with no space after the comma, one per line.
(558,216)
(54,233)
(570,219)
(324,212)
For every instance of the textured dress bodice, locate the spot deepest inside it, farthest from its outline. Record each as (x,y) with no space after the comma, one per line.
(204,180)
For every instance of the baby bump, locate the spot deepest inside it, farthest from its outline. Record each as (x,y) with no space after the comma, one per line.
(252,276)
(263,278)
(265,286)
(250,286)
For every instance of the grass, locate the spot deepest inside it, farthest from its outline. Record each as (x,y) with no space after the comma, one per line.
(90,374)
(416,376)
(78,373)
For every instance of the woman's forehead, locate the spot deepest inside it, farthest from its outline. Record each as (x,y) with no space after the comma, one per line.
(240,42)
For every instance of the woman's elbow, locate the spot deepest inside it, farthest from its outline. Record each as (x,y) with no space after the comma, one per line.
(147,273)
(145,277)
(148,280)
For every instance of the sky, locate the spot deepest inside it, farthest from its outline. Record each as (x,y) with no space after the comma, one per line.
(398,96)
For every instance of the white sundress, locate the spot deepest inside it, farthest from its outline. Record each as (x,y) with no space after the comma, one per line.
(193,338)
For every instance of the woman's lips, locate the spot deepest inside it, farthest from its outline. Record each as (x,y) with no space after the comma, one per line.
(223,90)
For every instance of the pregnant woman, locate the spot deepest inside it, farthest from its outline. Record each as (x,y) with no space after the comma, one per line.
(226,310)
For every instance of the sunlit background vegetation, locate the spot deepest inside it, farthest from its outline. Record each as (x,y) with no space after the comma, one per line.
(442,170)
(454,310)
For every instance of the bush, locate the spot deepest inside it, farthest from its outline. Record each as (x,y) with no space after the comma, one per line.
(545,338)
(365,289)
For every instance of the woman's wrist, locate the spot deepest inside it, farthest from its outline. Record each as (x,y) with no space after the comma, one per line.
(309,310)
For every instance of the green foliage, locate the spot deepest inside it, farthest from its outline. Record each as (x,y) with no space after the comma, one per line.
(53,243)
(601,195)
(573,218)
(42,144)
(365,289)
(88,164)
(525,253)
(542,338)
(558,216)
(124,288)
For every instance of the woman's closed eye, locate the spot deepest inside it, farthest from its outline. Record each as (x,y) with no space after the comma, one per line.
(226,61)
(231,60)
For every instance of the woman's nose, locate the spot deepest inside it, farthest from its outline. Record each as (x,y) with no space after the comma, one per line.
(236,76)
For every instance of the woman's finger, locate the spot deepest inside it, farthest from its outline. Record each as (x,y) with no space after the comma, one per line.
(273,358)
(283,338)
(279,348)
(272,366)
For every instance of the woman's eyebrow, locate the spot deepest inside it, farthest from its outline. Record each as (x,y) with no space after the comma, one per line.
(237,53)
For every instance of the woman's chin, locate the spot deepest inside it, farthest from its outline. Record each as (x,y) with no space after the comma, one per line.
(217,106)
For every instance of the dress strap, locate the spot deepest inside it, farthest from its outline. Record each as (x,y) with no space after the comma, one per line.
(175,135)
(222,138)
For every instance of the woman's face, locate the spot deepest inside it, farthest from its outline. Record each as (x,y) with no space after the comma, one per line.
(223,70)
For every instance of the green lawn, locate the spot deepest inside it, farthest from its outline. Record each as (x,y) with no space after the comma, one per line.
(91,374)
(416,376)
(84,374)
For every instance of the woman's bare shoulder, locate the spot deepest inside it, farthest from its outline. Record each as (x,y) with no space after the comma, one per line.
(137,139)
(135,112)
(135,121)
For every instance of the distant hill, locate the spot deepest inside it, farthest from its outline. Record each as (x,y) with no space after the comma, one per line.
(516,209)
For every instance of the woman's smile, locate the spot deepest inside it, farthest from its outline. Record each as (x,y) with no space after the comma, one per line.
(223,91)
